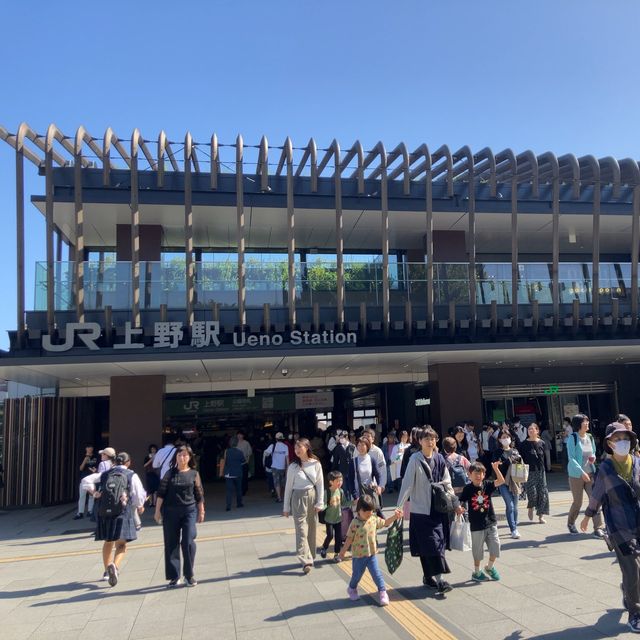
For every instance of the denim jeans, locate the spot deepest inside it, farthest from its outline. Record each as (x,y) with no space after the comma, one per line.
(358,567)
(233,485)
(511,504)
(179,528)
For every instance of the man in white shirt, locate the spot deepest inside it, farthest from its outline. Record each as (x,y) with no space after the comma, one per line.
(279,453)
(164,458)
(247,451)
(520,430)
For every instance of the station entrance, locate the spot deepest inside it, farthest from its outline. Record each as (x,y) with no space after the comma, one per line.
(548,405)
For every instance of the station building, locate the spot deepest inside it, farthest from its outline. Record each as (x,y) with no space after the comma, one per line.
(190,283)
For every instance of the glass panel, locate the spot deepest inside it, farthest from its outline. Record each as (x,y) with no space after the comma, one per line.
(108,282)
(451,283)
(217,282)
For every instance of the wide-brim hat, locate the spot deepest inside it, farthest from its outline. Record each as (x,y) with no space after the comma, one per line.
(109,451)
(617,427)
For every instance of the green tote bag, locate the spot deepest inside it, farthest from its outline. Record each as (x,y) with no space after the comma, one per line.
(393,550)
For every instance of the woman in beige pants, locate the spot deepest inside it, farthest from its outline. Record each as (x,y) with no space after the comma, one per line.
(303,499)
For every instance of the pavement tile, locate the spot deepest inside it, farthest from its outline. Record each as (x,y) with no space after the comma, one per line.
(18,631)
(271,633)
(325,632)
(153,629)
(219,631)
(575,605)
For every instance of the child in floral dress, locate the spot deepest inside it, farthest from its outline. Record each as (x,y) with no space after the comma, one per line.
(361,538)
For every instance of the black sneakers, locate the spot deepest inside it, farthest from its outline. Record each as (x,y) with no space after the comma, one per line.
(429,582)
(112,573)
(78,516)
(443,587)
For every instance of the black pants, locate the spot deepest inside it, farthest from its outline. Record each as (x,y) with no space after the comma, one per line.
(179,528)
(245,479)
(334,531)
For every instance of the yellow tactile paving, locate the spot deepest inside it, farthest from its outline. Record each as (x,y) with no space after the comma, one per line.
(414,621)
(149,545)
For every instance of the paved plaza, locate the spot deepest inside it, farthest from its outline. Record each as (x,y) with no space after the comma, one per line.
(554,586)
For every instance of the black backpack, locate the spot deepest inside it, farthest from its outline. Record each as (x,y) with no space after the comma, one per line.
(115,492)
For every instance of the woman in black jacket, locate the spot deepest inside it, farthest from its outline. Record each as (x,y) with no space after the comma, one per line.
(533,451)
(180,504)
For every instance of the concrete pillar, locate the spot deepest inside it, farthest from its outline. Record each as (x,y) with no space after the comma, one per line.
(455,395)
(339,410)
(400,406)
(136,415)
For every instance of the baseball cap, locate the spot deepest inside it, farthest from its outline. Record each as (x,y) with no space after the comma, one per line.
(279,435)
(109,451)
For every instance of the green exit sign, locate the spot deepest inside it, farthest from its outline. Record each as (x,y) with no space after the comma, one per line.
(552,390)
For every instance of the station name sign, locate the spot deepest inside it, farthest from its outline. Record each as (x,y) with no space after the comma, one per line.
(203,334)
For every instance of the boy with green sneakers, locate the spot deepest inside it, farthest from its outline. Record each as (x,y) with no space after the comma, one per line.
(482,519)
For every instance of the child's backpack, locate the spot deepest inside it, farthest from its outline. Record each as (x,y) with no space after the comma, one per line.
(115,492)
(458,473)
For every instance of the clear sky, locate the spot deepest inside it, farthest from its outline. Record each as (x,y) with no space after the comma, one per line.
(548,75)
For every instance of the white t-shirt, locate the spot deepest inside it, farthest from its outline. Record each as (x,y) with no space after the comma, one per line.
(279,452)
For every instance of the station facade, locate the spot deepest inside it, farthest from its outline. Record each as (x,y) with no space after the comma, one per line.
(221,286)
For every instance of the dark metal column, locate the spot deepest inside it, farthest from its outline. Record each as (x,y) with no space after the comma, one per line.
(48,171)
(240,231)
(555,265)
(79,220)
(20,294)
(515,272)
(188,230)
(135,232)
(595,268)
(291,238)
(635,247)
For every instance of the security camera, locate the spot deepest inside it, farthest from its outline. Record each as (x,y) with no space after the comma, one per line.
(285,372)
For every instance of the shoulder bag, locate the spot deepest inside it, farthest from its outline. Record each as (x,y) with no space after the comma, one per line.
(441,500)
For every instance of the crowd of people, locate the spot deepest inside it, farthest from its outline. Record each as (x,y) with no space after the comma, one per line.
(436,482)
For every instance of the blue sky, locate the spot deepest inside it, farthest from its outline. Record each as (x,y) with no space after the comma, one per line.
(545,75)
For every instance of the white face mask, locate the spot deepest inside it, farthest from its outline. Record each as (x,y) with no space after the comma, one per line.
(621,447)
(505,441)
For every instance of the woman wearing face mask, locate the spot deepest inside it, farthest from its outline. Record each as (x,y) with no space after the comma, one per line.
(533,451)
(616,490)
(581,452)
(506,455)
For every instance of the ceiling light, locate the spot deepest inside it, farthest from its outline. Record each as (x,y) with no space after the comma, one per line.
(347,368)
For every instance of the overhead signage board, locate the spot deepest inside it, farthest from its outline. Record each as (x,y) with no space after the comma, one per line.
(317,400)
(218,405)
(204,334)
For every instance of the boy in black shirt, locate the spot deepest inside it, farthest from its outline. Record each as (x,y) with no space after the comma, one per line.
(482,519)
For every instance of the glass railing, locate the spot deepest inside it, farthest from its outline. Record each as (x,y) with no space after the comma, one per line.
(108,283)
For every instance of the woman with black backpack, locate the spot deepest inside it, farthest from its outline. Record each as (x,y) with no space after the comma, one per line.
(120,493)
(428,527)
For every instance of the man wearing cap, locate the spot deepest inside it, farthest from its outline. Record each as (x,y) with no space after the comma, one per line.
(617,491)
(279,462)
(107,456)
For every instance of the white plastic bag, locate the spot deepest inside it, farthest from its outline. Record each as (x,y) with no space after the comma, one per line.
(460,534)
